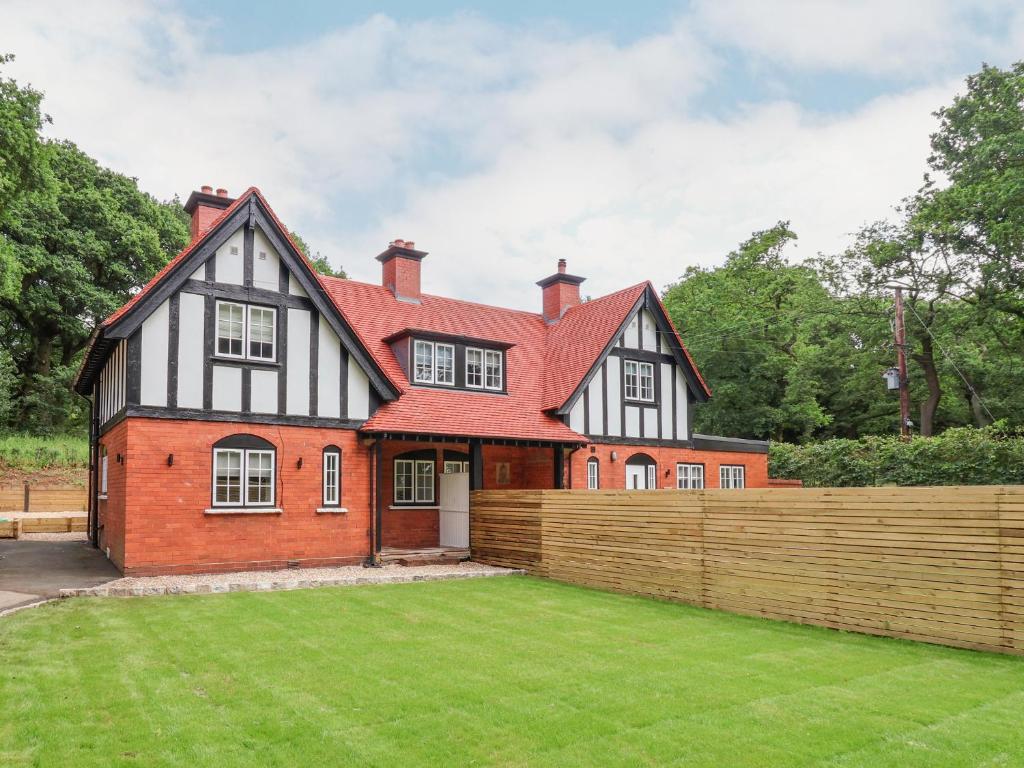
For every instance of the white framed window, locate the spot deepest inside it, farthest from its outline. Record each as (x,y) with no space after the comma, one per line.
(230,329)
(492,369)
(593,474)
(689,476)
(262,333)
(246,332)
(103,473)
(652,477)
(731,476)
(235,469)
(444,364)
(454,467)
(332,477)
(639,380)
(423,362)
(414,481)
(474,367)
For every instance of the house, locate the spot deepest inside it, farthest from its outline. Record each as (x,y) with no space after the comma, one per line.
(249,413)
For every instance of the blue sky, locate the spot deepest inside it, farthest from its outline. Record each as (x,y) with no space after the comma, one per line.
(634,140)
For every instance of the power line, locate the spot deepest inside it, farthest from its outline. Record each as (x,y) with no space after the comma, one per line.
(948,358)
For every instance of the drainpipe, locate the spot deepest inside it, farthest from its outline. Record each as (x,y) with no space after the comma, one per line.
(374,448)
(578,447)
(94,462)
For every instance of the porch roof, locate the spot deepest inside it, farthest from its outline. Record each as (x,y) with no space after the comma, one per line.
(525,442)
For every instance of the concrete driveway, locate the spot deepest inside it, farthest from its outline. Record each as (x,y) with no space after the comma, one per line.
(33,570)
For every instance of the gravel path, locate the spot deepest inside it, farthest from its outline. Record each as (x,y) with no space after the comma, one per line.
(79,536)
(265,581)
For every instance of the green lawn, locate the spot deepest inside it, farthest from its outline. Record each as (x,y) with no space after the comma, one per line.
(510,671)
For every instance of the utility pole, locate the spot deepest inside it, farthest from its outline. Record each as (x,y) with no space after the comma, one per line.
(901,363)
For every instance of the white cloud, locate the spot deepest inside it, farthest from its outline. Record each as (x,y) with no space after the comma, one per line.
(497,149)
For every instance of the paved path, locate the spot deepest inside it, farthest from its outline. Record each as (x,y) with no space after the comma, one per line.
(34,570)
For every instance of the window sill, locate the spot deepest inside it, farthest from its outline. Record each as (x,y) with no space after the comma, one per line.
(223,360)
(102,497)
(414,506)
(331,511)
(243,511)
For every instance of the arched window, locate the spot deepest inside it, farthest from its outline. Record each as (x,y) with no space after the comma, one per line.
(641,472)
(414,477)
(593,474)
(244,472)
(332,476)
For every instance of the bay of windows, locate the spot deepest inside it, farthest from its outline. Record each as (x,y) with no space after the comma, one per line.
(246,332)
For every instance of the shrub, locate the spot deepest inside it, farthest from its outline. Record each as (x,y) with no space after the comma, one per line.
(962,456)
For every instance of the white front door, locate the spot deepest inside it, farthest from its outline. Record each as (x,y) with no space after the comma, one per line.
(636,477)
(455,509)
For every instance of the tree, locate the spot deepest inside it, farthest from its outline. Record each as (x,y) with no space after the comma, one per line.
(320,263)
(21,166)
(83,242)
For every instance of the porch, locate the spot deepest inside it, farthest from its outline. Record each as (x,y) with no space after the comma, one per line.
(422,485)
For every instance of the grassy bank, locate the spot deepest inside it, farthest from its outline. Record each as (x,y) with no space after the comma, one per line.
(26,453)
(490,672)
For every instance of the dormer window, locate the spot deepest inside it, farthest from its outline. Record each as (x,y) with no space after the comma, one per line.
(246,332)
(433,363)
(484,369)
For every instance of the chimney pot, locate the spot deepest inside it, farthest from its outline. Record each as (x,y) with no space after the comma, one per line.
(221,192)
(561,266)
(206,189)
(410,245)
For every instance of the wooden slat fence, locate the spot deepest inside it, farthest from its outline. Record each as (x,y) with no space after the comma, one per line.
(942,565)
(66,499)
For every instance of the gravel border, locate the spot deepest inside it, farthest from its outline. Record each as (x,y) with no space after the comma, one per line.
(274,581)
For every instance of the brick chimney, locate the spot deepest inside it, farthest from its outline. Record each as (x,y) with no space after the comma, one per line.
(561,291)
(204,207)
(400,270)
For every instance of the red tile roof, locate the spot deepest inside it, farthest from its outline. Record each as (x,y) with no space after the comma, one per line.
(375,314)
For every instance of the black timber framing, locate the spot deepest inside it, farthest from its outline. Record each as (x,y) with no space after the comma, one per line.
(173,340)
(314,362)
(199,414)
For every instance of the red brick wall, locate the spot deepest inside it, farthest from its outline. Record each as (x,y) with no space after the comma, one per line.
(167,531)
(111,510)
(613,473)
(402,277)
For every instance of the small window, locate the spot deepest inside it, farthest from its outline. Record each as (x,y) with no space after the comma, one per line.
(454,467)
(731,476)
(444,364)
(103,473)
(414,481)
(243,472)
(593,474)
(492,369)
(689,476)
(474,367)
(423,362)
(261,333)
(639,380)
(652,477)
(230,329)
(332,476)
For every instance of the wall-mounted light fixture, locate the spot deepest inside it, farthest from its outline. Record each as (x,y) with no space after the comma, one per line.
(593,449)
(299,463)
(615,456)
(120,459)
(170,459)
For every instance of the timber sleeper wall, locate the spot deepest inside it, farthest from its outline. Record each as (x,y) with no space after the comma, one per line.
(942,565)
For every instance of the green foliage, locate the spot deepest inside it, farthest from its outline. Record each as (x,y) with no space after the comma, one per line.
(319,262)
(993,455)
(27,452)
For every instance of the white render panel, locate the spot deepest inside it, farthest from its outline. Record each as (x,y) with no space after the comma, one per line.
(682,412)
(650,422)
(266,264)
(632,421)
(358,391)
(112,383)
(199,274)
(191,307)
(614,397)
(227,388)
(596,388)
(153,389)
(294,288)
(631,336)
(263,391)
(576,417)
(298,362)
(666,401)
(328,397)
(648,329)
(230,260)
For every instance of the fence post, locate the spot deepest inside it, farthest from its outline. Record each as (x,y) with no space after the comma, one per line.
(26,497)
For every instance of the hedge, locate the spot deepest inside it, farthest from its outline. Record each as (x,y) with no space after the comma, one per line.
(962,456)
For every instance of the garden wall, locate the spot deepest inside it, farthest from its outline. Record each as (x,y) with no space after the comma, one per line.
(941,565)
